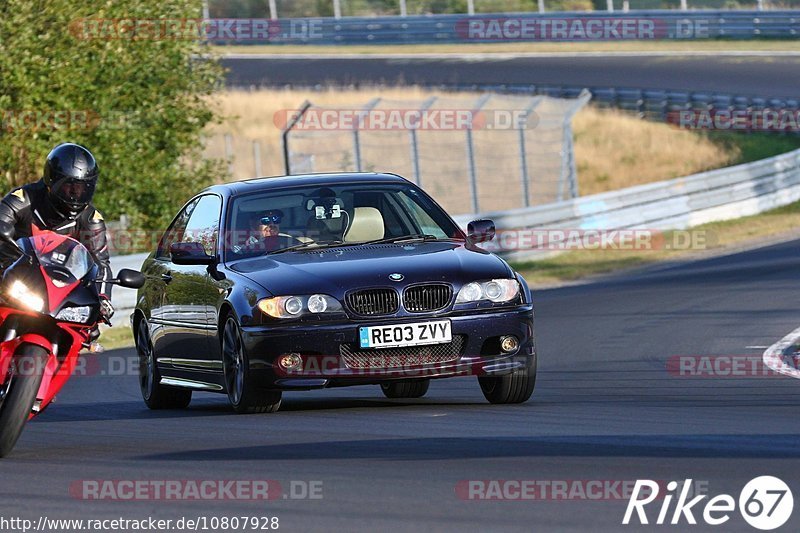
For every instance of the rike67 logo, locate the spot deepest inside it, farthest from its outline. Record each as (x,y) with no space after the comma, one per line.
(765,503)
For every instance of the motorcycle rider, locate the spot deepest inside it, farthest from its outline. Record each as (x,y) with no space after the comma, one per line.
(62,202)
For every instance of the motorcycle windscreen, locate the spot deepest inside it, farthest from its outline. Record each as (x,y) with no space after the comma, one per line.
(64,260)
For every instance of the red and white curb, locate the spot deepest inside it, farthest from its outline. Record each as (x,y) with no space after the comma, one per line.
(773,356)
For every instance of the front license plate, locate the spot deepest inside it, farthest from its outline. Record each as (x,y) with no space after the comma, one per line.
(415,334)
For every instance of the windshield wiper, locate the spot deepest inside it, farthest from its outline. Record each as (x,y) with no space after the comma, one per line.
(304,245)
(404,238)
(290,248)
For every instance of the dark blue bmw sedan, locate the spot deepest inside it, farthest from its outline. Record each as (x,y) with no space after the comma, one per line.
(306,282)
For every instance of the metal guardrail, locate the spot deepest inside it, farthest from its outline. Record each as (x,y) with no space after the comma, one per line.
(566,26)
(680,203)
(656,104)
(124,300)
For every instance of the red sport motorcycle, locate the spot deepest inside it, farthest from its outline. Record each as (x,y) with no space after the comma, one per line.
(49,306)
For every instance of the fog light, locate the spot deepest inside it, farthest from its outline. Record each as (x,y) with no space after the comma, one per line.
(290,361)
(509,343)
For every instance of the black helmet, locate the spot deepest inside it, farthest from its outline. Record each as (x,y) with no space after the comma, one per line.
(70,174)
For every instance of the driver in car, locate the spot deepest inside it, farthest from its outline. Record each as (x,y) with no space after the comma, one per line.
(270,238)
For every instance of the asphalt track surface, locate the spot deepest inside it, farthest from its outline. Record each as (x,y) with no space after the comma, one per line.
(768,77)
(605,408)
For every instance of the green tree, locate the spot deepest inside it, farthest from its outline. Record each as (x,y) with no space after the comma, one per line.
(146,99)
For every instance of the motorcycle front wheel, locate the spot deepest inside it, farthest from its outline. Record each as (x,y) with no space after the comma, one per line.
(25,377)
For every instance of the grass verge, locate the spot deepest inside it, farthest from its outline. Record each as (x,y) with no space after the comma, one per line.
(117,337)
(520,48)
(717,237)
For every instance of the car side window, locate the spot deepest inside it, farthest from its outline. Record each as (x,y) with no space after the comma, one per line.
(427,225)
(203,224)
(175,232)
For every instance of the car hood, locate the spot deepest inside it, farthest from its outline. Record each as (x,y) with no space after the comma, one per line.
(336,270)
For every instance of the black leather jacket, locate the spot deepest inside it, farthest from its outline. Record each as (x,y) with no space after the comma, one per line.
(28,209)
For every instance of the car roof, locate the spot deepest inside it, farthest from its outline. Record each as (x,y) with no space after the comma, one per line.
(236,188)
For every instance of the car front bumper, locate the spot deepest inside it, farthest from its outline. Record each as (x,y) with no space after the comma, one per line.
(325,363)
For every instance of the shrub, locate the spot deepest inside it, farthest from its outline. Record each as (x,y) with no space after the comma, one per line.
(140,104)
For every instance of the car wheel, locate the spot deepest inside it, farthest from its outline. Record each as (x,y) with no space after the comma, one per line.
(516,387)
(406,389)
(244,396)
(155,395)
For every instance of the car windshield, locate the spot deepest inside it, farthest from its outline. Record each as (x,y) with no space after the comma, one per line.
(63,258)
(351,214)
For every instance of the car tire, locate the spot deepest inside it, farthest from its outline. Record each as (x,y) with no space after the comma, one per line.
(406,389)
(516,387)
(20,394)
(155,395)
(243,394)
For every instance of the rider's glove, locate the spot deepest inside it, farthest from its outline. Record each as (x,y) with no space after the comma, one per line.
(106,309)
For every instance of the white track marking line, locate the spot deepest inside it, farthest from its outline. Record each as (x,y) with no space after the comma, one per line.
(773,356)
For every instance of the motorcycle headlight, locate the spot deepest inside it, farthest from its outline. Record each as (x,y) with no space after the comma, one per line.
(296,306)
(495,290)
(22,294)
(75,314)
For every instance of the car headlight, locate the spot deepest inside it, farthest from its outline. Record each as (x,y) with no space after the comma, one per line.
(296,306)
(495,290)
(22,294)
(75,314)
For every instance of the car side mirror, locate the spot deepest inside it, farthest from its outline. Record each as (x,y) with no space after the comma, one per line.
(131,279)
(190,253)
(480,231)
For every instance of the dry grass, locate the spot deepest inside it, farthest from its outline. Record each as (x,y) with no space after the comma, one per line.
(251,116)
(613,149)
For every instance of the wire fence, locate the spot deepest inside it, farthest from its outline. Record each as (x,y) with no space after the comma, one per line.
(496,152)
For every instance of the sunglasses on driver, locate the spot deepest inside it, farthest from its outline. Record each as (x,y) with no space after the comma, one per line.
(271,219)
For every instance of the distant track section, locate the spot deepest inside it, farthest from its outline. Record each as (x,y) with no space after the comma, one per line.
(774,77)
